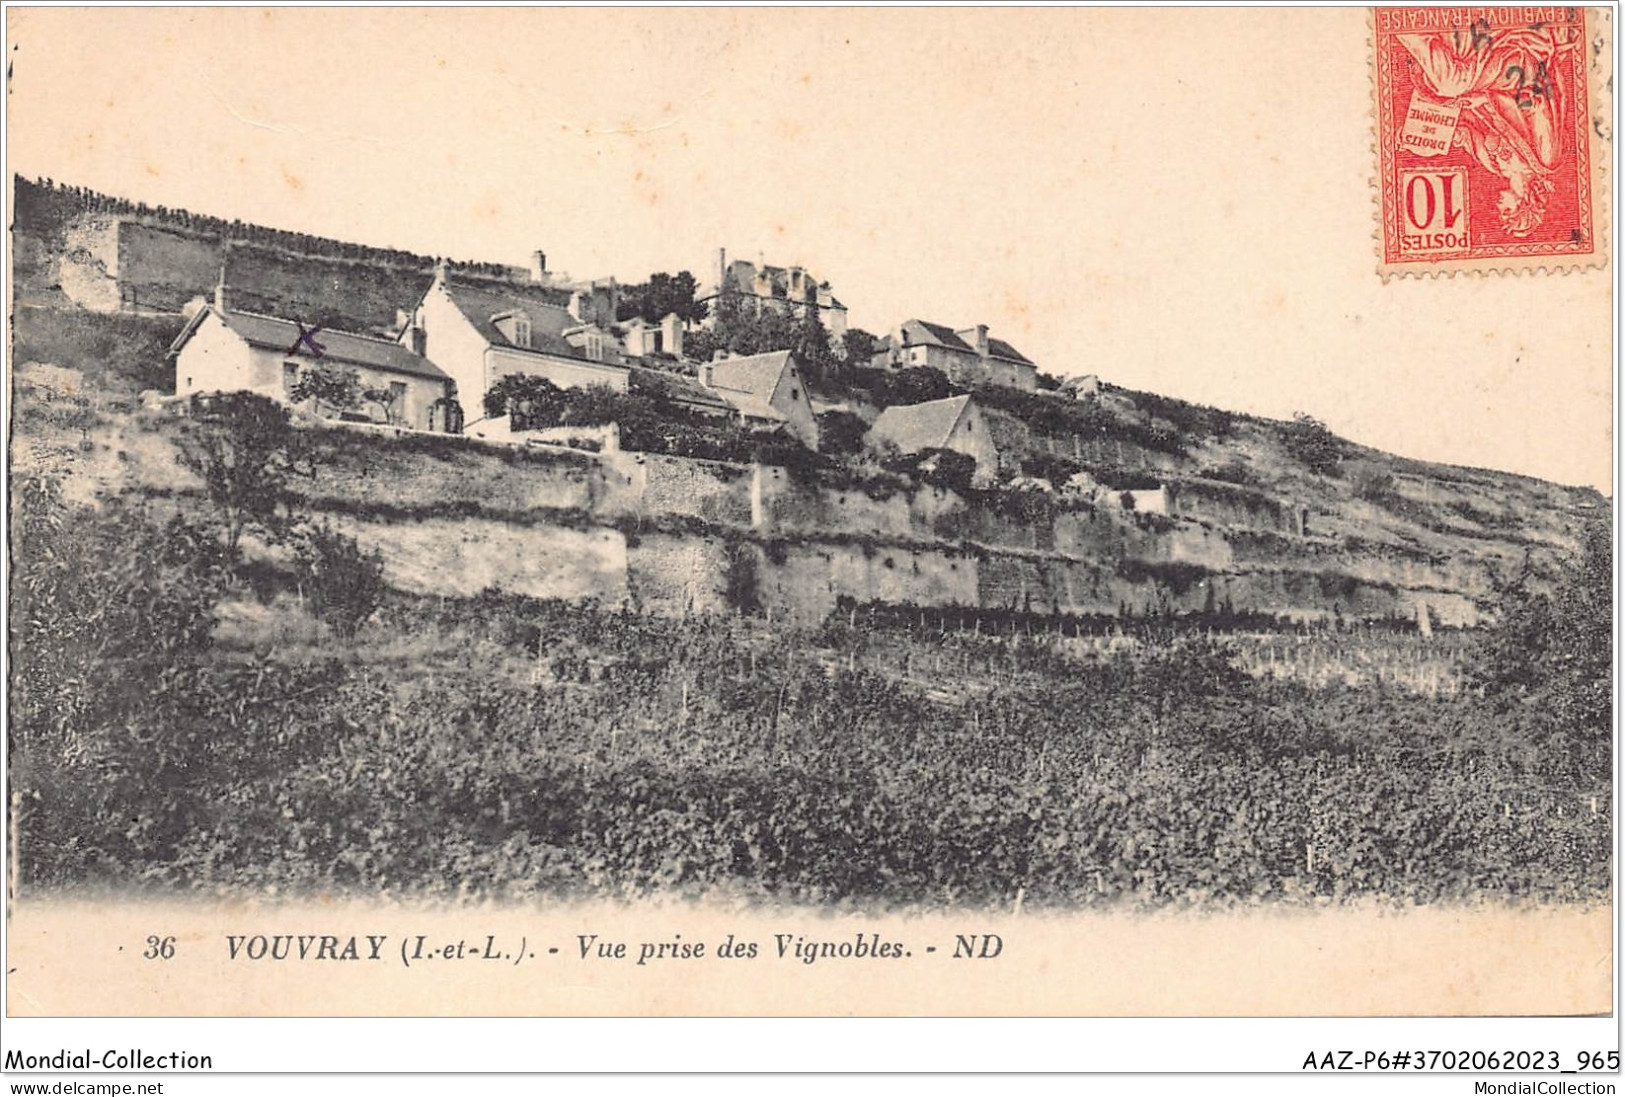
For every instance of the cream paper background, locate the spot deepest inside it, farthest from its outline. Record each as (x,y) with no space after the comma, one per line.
(1177,199)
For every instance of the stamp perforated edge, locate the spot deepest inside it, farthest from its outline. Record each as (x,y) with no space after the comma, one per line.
(1599,93)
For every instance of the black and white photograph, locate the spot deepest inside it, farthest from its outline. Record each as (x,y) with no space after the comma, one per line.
(810,512)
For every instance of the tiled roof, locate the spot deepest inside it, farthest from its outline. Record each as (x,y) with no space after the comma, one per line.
(548,319)
(756,374)
(676,388)
(925,332)
(929,334)
(998,348)
(916,427)
(281,335)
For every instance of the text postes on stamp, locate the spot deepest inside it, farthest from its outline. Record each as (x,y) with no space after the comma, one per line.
(1488,138)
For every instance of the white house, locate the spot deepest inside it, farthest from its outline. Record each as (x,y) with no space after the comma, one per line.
(641,339)
(968,357)
(228,350)
(480,334)
(767,389)
(955,424)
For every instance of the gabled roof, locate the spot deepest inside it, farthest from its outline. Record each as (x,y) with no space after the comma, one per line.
(916,427)
(284,336)
(998,348)
(676,388)
(924,332)
(548,319)
(753,375)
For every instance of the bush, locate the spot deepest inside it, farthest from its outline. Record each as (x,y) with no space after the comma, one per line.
(343,585)
(841,433)
(1373,485)
(1309,443)
(243,447)
(739,580)
(531,403)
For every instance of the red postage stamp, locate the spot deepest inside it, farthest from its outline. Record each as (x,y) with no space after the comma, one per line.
(1491,137)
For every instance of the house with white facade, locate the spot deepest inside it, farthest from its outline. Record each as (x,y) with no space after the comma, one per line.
(228,350)
(968,357)
(953,424)
(481,333)
(768,391)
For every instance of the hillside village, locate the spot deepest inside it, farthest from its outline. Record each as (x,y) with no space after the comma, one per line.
(682,420)
(341,571)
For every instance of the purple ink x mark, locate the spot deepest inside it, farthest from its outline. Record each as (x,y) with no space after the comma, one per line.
(307,339)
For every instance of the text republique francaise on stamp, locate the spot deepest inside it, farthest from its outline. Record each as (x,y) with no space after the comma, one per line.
(1491,134)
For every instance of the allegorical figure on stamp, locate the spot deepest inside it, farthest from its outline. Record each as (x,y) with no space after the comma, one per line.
(1509,87)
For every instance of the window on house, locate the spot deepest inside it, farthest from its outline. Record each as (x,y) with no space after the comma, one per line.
(595,346)
(795,394)
(514,326)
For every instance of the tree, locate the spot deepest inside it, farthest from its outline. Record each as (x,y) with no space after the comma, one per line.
(701,345)
(1552,654)
(597,405)
(108,610)
(812,348)
(337,387)
(859,348)
(841,433)
(244,448)
(662,295)
(344,585)
(530,402)
(1312,445)
(917,385)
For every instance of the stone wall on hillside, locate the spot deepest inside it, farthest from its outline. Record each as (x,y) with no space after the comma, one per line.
(461,557)
(656,484)
(88,267)
(377,473)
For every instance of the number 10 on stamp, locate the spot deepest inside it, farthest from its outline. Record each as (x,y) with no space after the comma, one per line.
(1433,205)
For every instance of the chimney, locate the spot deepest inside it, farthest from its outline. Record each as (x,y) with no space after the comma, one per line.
(722,268)
(538,266)
(981,340)
(220,291)
(576,300)
(671,334)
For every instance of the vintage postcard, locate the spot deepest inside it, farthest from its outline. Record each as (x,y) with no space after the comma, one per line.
(1492,125)
(809,513)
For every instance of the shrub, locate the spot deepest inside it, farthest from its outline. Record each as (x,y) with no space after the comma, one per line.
(343,585)
(1312,445)
(841,433)
(243,447)
(531,403)
(739,580)
(1372,484)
